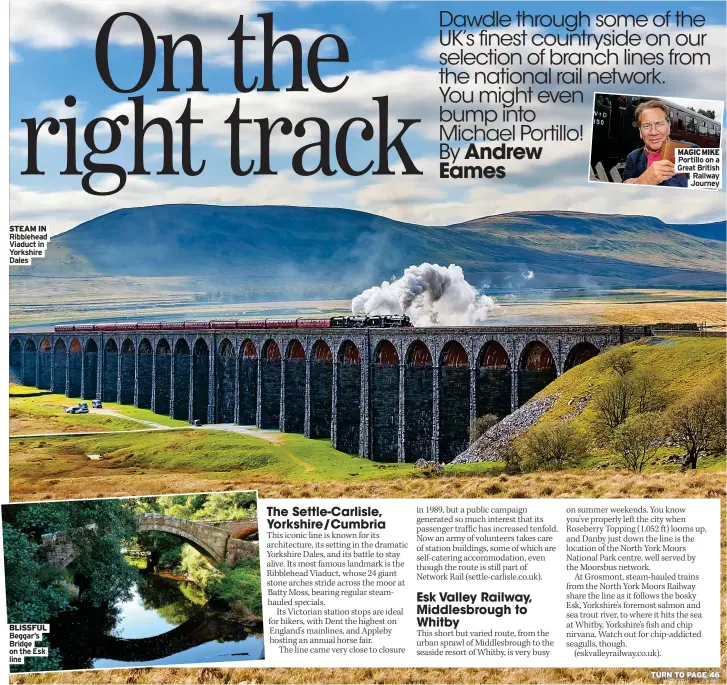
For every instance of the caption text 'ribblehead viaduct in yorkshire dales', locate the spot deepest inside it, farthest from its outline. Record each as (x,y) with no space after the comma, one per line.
(388,394)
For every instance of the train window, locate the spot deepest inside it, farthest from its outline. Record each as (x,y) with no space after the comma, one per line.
(681,124)
(691,125)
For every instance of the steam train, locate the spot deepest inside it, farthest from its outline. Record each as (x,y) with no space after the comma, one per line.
(616,134)
(381,321)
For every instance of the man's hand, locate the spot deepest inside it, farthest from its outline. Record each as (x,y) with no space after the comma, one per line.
(659,171)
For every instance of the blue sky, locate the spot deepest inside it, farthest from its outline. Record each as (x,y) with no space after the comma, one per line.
(392,48)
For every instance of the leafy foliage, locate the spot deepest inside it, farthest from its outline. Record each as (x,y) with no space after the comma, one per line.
(549,448)
(697,422)
(637,440)
(480,426)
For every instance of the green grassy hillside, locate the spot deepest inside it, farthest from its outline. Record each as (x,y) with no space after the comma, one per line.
(680,366)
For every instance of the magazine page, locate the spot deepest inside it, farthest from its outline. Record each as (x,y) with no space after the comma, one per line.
(365,342)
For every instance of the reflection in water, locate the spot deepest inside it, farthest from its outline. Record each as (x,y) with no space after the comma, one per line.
(164,622)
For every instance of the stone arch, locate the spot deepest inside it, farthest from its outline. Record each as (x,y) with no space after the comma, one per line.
(45,364)
(270,385)
(60,364)
(454,401)
(16,361)
(144,372)
(493,384)
(384,419)
(30,356)
(90,370)
(127,378)
(321,390)
(210,540)
(348,398)
(294,387)
(200,381)
(536,369)
(248,383)
(225,382)
(75,368)
(162,377)
(418,402)
(180,380)
(579,353)
(110,372)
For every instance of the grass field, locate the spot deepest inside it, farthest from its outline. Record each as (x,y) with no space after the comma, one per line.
(35,411)
(37,305)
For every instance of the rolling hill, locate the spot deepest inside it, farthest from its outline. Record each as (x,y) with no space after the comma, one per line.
(278,252)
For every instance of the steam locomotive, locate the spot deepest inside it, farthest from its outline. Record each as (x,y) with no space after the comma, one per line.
(380,321)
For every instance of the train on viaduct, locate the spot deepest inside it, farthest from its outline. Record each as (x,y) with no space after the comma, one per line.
(387,394)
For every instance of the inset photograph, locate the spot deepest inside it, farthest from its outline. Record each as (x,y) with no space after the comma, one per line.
(136,582)
(636,137)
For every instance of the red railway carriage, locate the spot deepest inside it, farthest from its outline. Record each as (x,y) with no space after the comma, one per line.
(335,322)
(314,323)
(281,323)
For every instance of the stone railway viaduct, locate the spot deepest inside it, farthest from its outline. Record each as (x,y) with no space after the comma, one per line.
(388,394)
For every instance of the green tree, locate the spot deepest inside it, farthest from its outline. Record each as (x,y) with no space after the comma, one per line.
(555,447)
(637,440)
(697,422)
(480,426)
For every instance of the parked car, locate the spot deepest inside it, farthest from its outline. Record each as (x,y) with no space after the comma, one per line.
(96,404)
(80,408)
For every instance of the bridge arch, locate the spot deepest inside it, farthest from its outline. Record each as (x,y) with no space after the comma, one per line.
(348,398)
(454,400)
(162,377)
(128,372)
(30,354)
(493,381)
(75,366)
(579,353)
(45,364)
(418,402)
(16,361)
(209,539)
(270,385)
(180,380)
(90,370)
(294,387)
(226,361)
(200,381)
(145,372)
(321,390)
(60,363)
(110,371)
(536,369)
(248,383)
(385,374)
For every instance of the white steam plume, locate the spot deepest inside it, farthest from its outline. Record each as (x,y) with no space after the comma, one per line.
(429,294)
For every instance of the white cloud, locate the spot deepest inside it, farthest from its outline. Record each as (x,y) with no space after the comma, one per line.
(57,24)
(62,210)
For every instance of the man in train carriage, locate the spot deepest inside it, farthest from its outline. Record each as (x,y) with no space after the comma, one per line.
(650,165)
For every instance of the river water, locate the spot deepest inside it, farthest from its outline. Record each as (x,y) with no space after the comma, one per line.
(163,622)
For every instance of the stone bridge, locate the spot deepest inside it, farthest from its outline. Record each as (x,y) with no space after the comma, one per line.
(388,394)
(215,541)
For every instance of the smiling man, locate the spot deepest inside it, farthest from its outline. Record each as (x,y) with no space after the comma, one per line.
(645,165)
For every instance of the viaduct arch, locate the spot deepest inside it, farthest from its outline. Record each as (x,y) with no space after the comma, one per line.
(395,394)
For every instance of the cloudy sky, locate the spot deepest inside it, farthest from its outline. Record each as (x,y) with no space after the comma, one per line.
(393,50)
